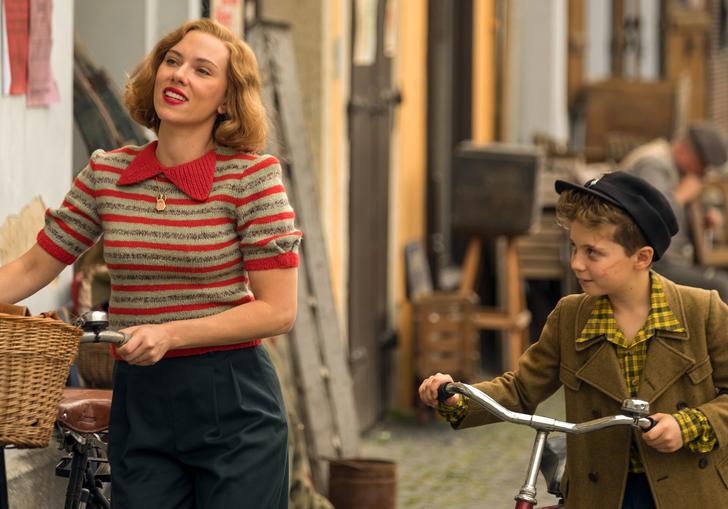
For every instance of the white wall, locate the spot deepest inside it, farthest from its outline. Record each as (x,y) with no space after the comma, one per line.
(118,34)
(598,32)
(650,39)
(538,100)
(35,147)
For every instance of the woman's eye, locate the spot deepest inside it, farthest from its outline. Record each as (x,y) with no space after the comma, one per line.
(204,71)
(170,61)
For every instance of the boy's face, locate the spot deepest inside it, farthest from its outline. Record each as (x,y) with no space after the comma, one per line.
(601,266)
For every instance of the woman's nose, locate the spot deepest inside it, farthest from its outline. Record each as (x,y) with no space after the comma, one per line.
(180,74)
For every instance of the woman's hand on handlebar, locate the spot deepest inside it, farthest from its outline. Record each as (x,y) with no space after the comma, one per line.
(428,390)
(147,344)
(665,436)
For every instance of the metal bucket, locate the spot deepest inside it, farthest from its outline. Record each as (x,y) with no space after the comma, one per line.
(363,484)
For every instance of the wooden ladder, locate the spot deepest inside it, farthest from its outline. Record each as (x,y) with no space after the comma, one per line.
(317,343)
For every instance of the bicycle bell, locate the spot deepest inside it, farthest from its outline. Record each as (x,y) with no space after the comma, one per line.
(636,407)
(94,321)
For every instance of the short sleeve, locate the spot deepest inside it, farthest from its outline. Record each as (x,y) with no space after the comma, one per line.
(269,238)
(75,226)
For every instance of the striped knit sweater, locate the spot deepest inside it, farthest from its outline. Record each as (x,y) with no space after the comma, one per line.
(226,214)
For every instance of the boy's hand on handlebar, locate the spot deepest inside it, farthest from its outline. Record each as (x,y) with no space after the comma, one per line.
(147,344)
(666,435)
(428,390)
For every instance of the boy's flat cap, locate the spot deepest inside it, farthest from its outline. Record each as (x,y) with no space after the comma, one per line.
(709,144)
(647,206)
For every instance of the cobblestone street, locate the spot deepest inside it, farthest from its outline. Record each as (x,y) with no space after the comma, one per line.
(478,468)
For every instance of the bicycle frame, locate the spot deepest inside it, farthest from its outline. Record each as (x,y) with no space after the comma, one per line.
(82,469)
(526,497)
(93,324)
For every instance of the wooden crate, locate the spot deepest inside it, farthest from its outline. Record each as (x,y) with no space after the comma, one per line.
(446,335)
(627,113)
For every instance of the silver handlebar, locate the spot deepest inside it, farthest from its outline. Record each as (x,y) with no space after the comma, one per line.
(540,423)
(106,336)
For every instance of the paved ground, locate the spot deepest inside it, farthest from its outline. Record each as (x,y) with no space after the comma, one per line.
(476,468)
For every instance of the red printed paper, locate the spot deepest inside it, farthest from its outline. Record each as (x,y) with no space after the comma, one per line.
(42,88)
(17,24)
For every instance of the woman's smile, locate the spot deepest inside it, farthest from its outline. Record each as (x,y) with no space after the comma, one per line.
(174,96)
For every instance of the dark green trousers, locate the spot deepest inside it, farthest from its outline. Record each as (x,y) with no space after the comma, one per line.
(203,432)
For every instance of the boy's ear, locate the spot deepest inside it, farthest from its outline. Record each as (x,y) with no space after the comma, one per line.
(644,257)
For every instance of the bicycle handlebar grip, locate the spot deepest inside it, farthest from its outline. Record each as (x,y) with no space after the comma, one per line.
(444,392)
(653,423)
(124,339)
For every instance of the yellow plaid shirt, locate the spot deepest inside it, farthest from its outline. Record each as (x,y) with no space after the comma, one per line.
(697,433)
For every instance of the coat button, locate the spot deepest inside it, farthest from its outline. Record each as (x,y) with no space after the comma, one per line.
(681,405)
(596,413)
(594,476)
(703,462)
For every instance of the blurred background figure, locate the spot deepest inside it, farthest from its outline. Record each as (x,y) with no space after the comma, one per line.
(678,169)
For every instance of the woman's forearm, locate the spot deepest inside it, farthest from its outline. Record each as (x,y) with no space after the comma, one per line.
(24,276)
(253,320)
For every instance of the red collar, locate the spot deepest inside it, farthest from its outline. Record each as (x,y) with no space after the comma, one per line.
(194,178)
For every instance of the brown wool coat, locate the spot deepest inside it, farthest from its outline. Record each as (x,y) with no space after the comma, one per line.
(681,368)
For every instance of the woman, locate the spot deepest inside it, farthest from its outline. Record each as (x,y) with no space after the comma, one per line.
(201,246)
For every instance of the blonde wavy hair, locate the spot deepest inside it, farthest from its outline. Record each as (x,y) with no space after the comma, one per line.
(244,126)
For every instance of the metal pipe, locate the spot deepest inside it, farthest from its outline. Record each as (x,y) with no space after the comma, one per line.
(528,490)
(107,336)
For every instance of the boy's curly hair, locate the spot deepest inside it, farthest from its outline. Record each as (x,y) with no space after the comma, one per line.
(593,212)
(244,126)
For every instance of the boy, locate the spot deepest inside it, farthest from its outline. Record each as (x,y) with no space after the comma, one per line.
(632,333)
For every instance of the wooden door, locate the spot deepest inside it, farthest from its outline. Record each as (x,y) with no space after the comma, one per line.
(370,118)
(576,45)
(685,52)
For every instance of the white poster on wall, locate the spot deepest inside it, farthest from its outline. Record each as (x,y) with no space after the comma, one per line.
(365,32)
(4,63)
(42,87)
(228,13)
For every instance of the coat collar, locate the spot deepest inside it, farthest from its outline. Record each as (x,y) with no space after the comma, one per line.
(674,301)
(666,362)
(194,178)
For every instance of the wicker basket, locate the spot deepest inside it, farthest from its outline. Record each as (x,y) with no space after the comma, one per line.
(35,356)
(96,365)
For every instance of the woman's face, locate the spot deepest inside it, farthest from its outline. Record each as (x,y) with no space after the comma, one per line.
(191,81)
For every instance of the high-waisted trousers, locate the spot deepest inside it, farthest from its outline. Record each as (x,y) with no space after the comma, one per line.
(202,432)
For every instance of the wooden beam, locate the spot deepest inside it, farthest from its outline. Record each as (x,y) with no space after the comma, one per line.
(618,39)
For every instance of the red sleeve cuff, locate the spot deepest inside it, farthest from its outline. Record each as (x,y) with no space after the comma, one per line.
(282,261)
(52,249)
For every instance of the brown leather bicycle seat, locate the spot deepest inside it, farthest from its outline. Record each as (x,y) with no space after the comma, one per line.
(85,410)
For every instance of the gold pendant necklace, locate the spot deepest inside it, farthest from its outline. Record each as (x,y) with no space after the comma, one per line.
(161,202)
(161,198)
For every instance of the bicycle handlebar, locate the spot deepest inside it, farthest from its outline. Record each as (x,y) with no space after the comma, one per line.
(538,422)
(105,336)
